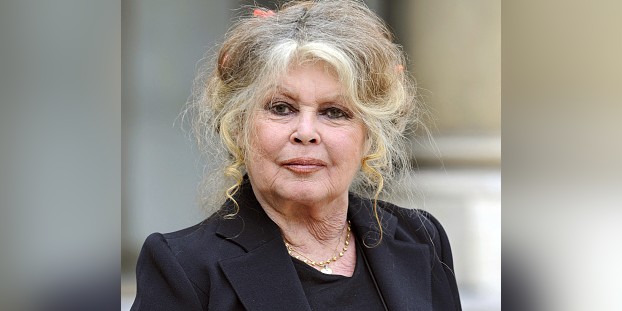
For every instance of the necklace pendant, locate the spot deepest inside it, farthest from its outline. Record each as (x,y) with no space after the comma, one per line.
(326,270)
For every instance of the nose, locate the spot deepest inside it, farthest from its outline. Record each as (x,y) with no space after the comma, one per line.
(305,131)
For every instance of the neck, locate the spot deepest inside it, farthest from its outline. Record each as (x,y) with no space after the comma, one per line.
(316,230)
(309,224)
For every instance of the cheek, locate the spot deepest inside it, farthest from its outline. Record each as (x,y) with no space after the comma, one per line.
(349,146)
(359,141)
(265,139)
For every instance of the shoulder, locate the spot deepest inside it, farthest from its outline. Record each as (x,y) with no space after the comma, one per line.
(184,240)
(416,220)
(177,269)
(193,251)
(409,225)
(162,277)
(420,226)
(193,246)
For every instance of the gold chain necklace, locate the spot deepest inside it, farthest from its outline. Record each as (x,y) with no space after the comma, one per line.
(324,268)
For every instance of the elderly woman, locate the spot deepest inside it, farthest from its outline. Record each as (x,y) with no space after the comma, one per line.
(309,105)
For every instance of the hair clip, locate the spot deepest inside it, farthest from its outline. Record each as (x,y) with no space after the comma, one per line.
(224,60)
(399,68)
(262,13)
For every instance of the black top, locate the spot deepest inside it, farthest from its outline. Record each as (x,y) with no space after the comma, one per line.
(338,292)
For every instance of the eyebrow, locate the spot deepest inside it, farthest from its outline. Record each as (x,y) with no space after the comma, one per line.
(336,97)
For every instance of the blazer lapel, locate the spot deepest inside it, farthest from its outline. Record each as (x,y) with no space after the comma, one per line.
(401,269)
(263,277)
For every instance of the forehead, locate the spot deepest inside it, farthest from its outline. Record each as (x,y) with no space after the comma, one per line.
(310,79)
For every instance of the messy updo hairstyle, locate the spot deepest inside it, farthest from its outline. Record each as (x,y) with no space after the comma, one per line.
(260,48)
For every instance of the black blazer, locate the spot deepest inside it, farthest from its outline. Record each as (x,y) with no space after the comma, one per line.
(242,263)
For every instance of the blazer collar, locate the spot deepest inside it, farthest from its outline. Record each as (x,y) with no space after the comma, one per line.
(264,275)
(401,268)
(251,227)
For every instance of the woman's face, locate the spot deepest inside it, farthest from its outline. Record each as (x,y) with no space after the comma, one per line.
(306,143)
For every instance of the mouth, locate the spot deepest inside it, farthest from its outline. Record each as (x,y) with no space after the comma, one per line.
(303,165)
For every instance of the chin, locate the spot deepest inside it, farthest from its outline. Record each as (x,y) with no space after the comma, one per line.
(306,193)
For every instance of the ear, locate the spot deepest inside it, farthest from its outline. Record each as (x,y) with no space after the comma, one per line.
(368,144)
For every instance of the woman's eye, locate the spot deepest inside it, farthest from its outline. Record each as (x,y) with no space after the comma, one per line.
(280,108)
(335,113)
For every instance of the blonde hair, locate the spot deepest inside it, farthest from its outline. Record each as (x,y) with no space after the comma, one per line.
(257,50)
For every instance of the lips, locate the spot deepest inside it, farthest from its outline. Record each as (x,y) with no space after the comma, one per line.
(303,165)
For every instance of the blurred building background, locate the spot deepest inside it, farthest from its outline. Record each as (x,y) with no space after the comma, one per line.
(454,50)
